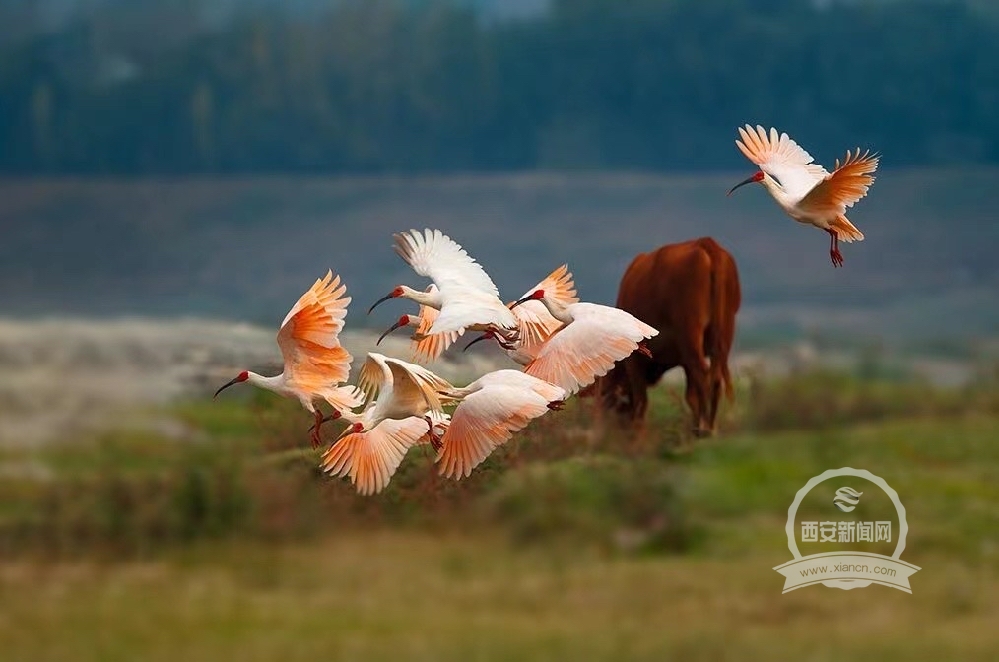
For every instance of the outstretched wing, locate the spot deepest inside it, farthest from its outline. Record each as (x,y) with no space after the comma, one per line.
(373,376)
(467,307)
(435,255)
(343,398)
(588,348)
(309,337)
(847,184)
(429,348)
(781,158)
(536,323)
(371,458)
(521,380)
(484,421)
(414,385)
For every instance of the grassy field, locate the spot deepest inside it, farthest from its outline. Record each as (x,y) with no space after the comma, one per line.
(572,542)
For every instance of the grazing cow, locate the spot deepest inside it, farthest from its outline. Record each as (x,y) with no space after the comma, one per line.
(690,292)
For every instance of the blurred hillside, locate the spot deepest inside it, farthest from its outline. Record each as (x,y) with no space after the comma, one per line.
(245,248)
(168,86)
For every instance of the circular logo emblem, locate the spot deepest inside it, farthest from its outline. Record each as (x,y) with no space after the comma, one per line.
(845,569)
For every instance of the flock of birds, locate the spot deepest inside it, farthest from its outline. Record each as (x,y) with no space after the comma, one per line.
(560,344)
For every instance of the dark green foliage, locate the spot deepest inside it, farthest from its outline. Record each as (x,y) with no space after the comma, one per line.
(382,85)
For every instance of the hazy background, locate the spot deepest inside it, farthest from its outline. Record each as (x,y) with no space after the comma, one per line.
(174,173)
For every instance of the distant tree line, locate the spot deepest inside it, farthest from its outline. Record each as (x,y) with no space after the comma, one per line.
(380,86)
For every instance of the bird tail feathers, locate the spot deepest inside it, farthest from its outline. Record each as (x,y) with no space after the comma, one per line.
(845,230)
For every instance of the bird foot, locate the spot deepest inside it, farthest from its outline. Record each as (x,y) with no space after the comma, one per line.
(509,336)
(836,257)
(834,254)
(556,405)
(435,440)
(644,350)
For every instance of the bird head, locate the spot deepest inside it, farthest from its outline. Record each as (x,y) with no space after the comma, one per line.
(485,336)
(757,177)
(404,320)
(394,294)
(353,428)
(241,377)
(536,295)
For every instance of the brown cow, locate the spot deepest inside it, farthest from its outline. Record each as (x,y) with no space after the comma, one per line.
(690,292)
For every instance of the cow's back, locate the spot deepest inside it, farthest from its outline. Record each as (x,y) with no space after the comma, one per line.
(669,288)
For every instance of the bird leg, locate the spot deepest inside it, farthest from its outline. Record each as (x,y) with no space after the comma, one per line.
(325,419)
(435,440)
(556,405)
(644,350)
(834,254)
(315,427)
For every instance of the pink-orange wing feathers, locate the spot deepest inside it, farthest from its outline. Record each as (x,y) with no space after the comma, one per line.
(372,457)
(588,348)
(487,418)
(847,184)
(314,360)
(536,324)
(782,158)
(429,348)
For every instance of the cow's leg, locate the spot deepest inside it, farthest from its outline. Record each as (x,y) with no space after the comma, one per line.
(638,398)
(609,393)
(715,388)
(695,367)
(697,399)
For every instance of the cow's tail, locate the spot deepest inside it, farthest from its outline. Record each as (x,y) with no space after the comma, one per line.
(718,345)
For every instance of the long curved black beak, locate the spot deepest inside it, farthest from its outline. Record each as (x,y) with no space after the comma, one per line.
(484,336)
(748,180)
(384,298)
(520,301)
(225,386)
(387,331)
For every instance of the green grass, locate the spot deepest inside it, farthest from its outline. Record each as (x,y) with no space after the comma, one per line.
(386,595)
(568,543)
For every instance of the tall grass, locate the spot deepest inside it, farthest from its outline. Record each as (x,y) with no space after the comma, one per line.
(246,471)
(825,399)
